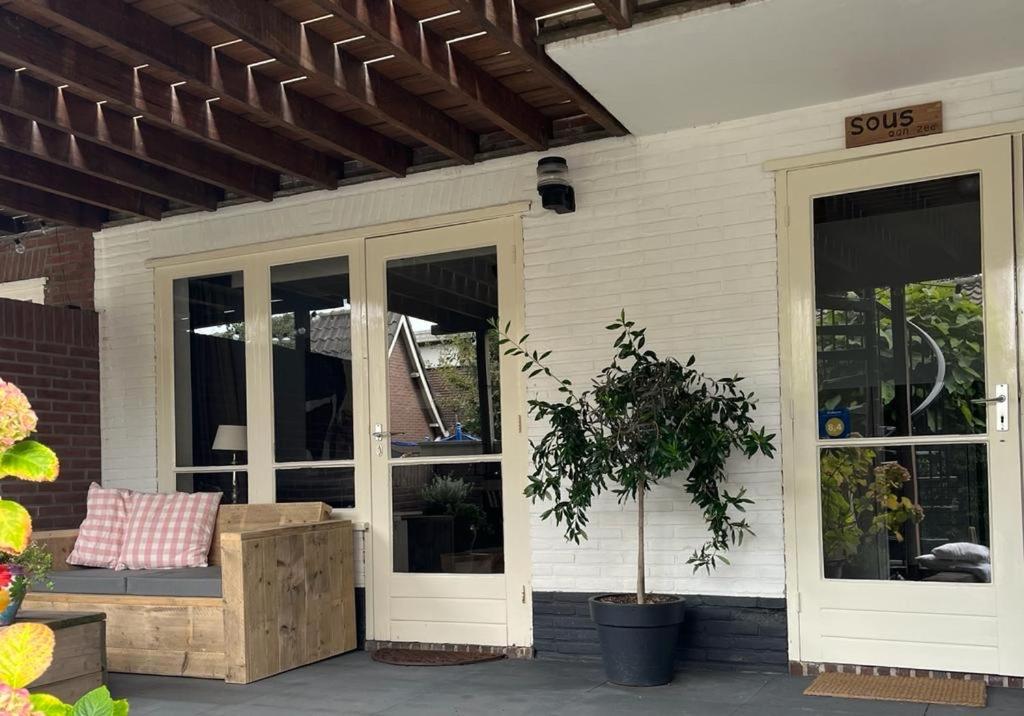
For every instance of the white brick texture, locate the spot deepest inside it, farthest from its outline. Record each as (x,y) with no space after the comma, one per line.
(676,228)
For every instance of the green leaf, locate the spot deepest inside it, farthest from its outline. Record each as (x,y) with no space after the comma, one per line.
(96,703)
(26,650)
(30,460)
(48,705)
(15,527)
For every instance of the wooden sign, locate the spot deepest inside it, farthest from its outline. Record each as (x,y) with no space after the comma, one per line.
(892,124)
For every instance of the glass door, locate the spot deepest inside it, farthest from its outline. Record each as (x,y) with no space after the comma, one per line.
(441,483)
(904,383)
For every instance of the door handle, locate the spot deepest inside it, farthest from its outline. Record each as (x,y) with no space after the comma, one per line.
(1002,402)
(993,399)
(379,433)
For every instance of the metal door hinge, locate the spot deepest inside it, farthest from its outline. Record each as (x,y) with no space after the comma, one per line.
(524,594)
(519,418)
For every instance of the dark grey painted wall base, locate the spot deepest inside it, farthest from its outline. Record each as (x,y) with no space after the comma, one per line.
(746,632)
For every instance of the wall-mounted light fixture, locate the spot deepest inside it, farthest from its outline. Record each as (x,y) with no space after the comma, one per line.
(556,192)
(19,248)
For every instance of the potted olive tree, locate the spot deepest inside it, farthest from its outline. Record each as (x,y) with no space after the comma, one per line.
(642,420)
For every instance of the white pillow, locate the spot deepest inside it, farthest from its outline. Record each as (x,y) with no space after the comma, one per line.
(963,552)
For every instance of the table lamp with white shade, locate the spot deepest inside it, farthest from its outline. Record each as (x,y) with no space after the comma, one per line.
(232,438)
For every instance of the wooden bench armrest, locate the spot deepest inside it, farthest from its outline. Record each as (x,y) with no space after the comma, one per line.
(289,597)
(59,543)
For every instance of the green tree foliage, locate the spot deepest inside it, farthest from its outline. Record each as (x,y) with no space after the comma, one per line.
(643,419)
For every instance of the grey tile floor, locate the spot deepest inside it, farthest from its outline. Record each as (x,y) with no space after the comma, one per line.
(354,685)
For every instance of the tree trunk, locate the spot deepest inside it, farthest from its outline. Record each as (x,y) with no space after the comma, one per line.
(641,585)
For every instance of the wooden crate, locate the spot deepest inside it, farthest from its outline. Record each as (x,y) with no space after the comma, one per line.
(79,656)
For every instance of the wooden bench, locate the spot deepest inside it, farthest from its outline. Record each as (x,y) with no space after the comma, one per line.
(288,599)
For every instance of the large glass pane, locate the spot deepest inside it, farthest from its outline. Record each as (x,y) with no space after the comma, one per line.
(334,485)
(906,512)
(209,370)
(898,286)
(443,382)
(311,335)
(448,518)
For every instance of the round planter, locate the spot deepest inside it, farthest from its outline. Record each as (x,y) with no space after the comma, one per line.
(638,641)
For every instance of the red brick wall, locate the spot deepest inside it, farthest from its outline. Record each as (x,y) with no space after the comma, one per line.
(409,418)
(52,354)
(64,256)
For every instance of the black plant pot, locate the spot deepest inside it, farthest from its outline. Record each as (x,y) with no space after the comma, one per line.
(638,641)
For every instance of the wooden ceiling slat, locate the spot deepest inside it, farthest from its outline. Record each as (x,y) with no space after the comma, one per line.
(283,37)
(35,100)
(420,46)
(65,61)
(39,174)
(51,206)
(618,12)
(516,30)
(149,40)
(58,147)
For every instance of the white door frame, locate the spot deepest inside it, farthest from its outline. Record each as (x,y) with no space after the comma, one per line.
(255,261)
(473,598)
(991,611)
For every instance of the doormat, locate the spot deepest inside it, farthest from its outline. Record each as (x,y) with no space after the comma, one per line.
(953,692)
(424,657)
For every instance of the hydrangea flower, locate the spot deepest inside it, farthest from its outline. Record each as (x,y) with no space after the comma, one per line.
(17,419)
(16,701)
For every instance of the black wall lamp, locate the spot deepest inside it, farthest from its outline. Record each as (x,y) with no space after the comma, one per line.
(553,185)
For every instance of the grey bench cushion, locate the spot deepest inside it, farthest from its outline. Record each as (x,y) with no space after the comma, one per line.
(192,582)
(87,581)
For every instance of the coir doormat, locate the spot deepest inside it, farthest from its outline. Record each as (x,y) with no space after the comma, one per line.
(424,657)
(953,692)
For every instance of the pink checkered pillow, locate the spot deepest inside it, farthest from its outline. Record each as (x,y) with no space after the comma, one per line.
(169,530)
(101,535)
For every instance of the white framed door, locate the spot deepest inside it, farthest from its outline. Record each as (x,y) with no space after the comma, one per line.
(900,327)
(450,562)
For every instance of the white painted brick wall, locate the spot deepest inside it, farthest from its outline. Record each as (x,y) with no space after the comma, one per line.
(676,228)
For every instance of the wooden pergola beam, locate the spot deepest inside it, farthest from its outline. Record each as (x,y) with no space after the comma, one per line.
(390,25)
(60,109)
(51,145)
(65,61)
(516,31)
(58,209)
(118,24)
(55,179)
(284,38)
(618,12)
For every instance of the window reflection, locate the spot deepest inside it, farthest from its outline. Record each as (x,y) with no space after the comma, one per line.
(899,297)
(311,334)
(448,518)
(443,381)
(209,368)
(905,512)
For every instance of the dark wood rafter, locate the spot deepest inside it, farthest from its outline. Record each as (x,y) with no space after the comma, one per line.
(10,225)
(118,24)
(55,179)
(288,41)
(618,12)
(55,208)
(59,109)
(516,31)
(64,61)
(390,25)
(127,110)
(63,149)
